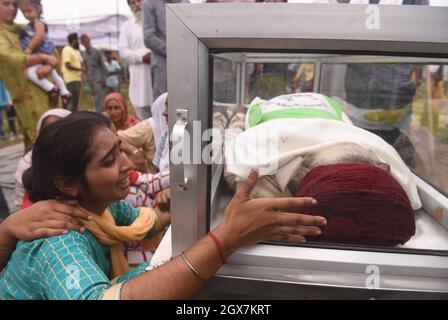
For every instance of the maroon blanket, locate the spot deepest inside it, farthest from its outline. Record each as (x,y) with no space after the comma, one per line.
(364,205)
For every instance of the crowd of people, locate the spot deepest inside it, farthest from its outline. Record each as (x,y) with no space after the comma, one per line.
(94,186)
(57,75)
(93,189)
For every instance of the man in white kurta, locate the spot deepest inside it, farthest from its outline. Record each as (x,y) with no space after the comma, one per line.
(133,50)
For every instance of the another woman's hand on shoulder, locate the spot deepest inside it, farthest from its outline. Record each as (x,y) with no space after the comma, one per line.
(47,219)
(250,221)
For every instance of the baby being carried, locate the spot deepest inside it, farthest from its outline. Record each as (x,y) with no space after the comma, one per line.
(34,40)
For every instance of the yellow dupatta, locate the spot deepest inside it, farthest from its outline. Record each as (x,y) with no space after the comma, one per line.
(108,233)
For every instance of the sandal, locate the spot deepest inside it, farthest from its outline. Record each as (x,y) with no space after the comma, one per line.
(54,97)
(66,99)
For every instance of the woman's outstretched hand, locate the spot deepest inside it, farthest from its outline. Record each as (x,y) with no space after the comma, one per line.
(249,221)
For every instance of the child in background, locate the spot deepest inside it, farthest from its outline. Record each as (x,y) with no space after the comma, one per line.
(147,190)
(145,187)
(34,40)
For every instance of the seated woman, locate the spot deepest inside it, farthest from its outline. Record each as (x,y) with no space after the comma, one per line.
(144,188)
(116,109)
(318,146)
(93,170)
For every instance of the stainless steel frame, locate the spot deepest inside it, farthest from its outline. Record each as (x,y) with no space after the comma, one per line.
(197,31)
(319,60)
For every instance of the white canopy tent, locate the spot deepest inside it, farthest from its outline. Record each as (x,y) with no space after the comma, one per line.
(100,19)
(103,31)
(60,11)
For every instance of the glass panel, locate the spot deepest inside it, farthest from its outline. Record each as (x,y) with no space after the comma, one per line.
(224,81)
(225,76)
(402,100)
(268,80)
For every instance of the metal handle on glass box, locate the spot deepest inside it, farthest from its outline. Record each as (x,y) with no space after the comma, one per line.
(179,138)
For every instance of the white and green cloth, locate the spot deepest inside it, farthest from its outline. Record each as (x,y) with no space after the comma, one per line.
(300,105)
(282,132)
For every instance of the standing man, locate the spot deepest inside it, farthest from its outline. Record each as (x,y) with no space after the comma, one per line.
(133,51)
(96,72)
(154,29)
(72,70)
(113,67)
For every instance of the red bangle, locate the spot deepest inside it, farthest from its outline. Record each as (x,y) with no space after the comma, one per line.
(219,246)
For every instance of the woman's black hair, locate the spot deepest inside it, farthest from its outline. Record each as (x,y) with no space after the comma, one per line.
(91,114)
(63,149)
(72,37)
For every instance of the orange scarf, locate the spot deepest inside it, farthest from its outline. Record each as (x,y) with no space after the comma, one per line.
(108,233)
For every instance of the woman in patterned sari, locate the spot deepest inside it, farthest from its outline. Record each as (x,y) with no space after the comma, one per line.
(30,102)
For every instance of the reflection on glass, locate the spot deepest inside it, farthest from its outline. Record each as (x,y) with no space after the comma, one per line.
(402,100)
(273,79)
(224,81)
